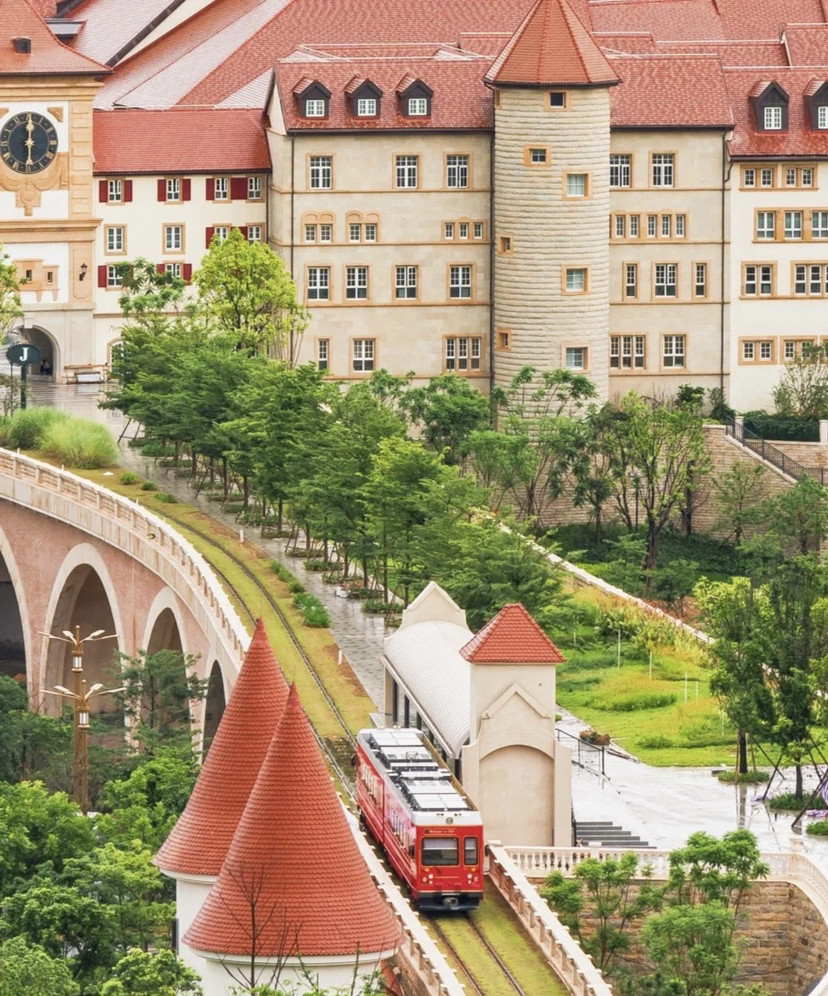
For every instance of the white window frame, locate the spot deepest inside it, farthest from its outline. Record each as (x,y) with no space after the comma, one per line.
(575,279)
(254,188)
(674,352)
(628,352)
(115,238)
(405,283)
(173,189)
(221,188)
(663,169)
(665,280)
(319,283)
(460,281)
(113,277)
(576,357)
(321,173)
(356,283)
(323,354)
(793,225)
(114,191)
(254,233)
(577,185)
(407,172)
(766,225)
(366,107)
(620,169)
(174,238)
(316,107)
(772,119)
(463,354)
(457,170)
(417,107)
(819,224)
(822,117)
(363,355)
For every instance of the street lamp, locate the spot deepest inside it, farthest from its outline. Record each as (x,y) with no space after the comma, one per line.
(81,769)
(80,790)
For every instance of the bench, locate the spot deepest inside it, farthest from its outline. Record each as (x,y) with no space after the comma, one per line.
(84,373)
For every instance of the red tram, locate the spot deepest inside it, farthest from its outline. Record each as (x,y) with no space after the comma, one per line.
(418,813)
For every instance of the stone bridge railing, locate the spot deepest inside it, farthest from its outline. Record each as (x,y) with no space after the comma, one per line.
(127,526)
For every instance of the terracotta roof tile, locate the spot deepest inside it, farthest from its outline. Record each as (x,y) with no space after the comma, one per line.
(731,53)
(663,19)
(512,637)
(552,46)
(807,44)
(670,92)
(799,140)
(184,140)
(461,100)
(112,25)
(294,843)
(765,18)
(200,839)
(48,57)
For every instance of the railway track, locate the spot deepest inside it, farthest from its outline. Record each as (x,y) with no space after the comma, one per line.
(473,954)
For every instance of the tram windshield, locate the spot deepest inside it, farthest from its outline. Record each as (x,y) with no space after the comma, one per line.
(440,851)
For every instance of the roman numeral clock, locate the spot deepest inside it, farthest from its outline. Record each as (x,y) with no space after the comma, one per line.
(31,160)
(28,142)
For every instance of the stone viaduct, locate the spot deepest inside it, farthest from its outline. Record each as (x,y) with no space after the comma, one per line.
(74,554)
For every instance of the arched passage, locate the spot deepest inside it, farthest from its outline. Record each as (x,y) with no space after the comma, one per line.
(12,643)
(165,633)
(83,604)
(213,705)
(47,345)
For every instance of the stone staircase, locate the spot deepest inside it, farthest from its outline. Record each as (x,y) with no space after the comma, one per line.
(602,833)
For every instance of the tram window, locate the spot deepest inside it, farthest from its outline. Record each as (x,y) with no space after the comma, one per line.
(440,851)
(470,851)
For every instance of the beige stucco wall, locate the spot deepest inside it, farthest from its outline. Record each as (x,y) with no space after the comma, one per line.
(696,193)
(550,232)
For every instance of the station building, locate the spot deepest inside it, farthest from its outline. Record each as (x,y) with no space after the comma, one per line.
(634,190)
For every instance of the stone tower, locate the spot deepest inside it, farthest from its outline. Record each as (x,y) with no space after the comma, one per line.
(551,198)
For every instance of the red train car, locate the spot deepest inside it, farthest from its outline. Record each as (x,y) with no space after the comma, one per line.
(418,813)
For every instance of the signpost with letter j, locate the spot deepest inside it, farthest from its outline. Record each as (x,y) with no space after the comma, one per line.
(23,355)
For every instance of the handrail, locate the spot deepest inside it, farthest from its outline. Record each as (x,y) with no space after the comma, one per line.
(770,453)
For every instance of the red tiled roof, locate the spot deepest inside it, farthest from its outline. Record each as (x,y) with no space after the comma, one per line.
(765,18)
(731,53)
(670,92)
(461,100)
(552,47)
(293,842)
(48,57)
(663,19)
(181,140)
(200,839)
(807,44)
(799,140)
(512,637)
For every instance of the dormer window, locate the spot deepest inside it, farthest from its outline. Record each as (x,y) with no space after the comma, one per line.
(770,107)
(364,97)
(314,99)
(816,100)
(416,99)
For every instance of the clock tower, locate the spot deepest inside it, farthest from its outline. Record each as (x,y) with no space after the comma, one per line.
(47,222)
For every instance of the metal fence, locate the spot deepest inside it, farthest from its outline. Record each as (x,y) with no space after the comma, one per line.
(584,754)
(767,451)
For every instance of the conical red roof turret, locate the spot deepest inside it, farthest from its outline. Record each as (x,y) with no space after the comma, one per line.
(295,851)
(552,48)
(200,839)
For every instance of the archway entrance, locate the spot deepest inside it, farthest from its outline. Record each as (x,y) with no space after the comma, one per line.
(47,346)
(12,646)
(213,706)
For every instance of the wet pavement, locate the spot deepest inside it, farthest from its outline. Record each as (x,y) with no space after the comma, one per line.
(661,805)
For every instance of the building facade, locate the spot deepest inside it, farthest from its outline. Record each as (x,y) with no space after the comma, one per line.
(627,190)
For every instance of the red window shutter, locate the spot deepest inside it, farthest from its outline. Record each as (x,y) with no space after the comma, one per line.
(162,189)
(185,189)
(160,268)
(127,190)
(102,276)
(103,191)
(238,188)
(243,230)
(210,189)
(210,234)
(187,271)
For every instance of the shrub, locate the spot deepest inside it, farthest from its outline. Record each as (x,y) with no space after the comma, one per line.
(166,497)
(28,426)
(786,801)
(281,572)
(155,449)
(79,443)
(128,477)
(375,606)
(656,743)
(295,587)
(317,564)
(644,700)
(818,829)
(731,777)
(149,486)
(314,612)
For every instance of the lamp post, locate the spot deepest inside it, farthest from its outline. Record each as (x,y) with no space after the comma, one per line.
(81,765)
(80,770)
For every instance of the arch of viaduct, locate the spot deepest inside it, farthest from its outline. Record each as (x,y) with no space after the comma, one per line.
(74,554)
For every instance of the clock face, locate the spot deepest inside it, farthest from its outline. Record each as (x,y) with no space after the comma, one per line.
(28,142)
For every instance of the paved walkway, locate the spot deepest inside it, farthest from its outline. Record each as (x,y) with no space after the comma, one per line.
(661,805)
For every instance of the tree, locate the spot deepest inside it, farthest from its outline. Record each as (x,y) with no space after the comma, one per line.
(616,901)
(657,451)
(38,827)
(11,310)
(738,493)
(536,418)
(798,518)
(139,973)
(730,613)
(245,290)
(160,690)
(802,390)
(447,410)
(26,968)
(28,741)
